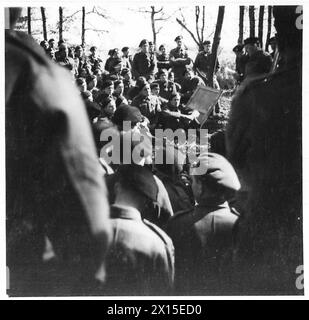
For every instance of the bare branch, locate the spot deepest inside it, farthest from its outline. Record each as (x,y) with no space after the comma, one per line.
(203,24)
(68,18)
(186,28)
(197,17)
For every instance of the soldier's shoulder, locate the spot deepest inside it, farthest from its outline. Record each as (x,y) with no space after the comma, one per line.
(159,232)
(24,47)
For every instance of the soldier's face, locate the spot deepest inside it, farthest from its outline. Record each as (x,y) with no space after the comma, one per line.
(119,88)
(110,108)
(176,101)
(207,48)
(179,43)
(163,77)
(155,91)
(146,91)
(145,47)
(251,49)
(163,50)
(109,90)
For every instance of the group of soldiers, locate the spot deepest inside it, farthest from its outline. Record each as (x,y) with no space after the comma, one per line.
(78,226)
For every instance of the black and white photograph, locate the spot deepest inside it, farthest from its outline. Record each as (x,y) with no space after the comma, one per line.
(153,149)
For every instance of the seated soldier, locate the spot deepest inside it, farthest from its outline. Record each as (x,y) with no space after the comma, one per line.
(93,59)
(203,237)
(155,90)
(167,87)
(118,93)
(189,84)
(64,59)
(141,258)
(93,109)
(148,104)
(128,83)
(174,115)
(104,121)
(106,90)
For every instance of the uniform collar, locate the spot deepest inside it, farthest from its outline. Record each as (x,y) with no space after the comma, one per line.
(125,212)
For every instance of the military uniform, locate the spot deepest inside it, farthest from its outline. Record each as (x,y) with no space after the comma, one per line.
(188,86)
(168,88)
(53,183)
(259,63)
(141,258)
(203,62)
(179,59)
(143,65)
(149,107)
(201,238)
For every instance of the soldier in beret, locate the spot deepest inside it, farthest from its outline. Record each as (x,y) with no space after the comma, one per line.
(143,62)
(240,62)
(141,258)
(179,59)
(167,87)
(203,62)
(202,237)
(259,61)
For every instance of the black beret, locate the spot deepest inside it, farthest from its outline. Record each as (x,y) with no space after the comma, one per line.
(127,113)
(154,85)
(238,48)
(251,40)
(93,48)
(140,178)
(107,84)
(206,42)
(144,41)
(125,71)
(220,174)
(178,38)
(125,49)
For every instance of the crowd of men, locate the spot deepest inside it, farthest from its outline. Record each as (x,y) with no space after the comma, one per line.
(77,225)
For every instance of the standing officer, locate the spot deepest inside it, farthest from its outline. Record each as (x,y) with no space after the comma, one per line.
(203,62)
(143,63)
(240,62)
(179,59)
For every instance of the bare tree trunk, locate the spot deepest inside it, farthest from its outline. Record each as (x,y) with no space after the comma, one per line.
(153,26)
(83,26)
(60,23)
(216,42)
(241,24)
(268,27)
(261,20)
(44,23)
(252,21)
(29,19)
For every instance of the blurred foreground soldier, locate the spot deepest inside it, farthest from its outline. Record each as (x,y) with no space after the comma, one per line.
(240,62)
(202,237)
(259,61)
(53,183)
(264,143)
(179,59)
(141,258)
